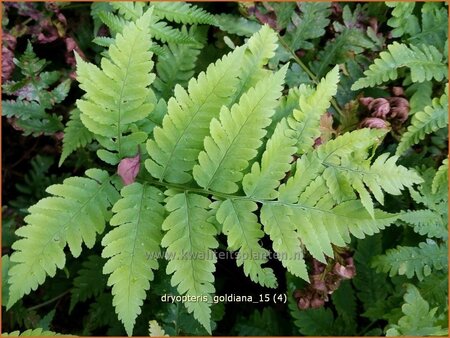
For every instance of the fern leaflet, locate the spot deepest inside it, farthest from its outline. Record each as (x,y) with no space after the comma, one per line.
(118,95)
(76,135)
(131,248)
(236,135)
(441,177)
(312,104)
(189,240)
(75,214)
(418,319)
(181,12)
(403,20)
(410,261)
(178,142)
(90,281)
(424,61)
(243,231)
(431,119)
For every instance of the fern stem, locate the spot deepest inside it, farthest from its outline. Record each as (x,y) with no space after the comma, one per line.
(309,72)
(35,307)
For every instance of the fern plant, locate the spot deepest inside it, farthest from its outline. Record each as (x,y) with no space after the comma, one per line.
(421,263)
(35,93)
(210,168)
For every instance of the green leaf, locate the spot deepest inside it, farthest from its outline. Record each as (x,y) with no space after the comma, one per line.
(403,20)
(75,214)
(176,144)
(181,12)
(119,94)
(90,282)
(132,249)
(236,135)
(189,240)
(441,177)
(243,232)
(176,66)
(238,25)
(424,62)
(431,119)
(418,319)
(310,24)
(39,332)
(413,261)
(76,135)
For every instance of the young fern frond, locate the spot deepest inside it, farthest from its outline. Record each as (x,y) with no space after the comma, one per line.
(181,12)
(132,248)
(236,136)
(75,214)
(424,61)
(176,144)
(118,95)
(189,240)
(431,119)
(413,261)
(76,135)
(243,232)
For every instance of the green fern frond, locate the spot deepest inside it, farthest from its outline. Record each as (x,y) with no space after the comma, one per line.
(76,213)
(39,332)
(403,21)
(285,240)
(176,144)
(119,95)
(426,222)
(413,261)
(418,319)
(313,104)
(181,12)
(238,25)
(167,34)
(76,135)
(424,62)
(189,240)
(260,49)
(132,248)
(176,66)
(431,119)
(310,24)
(263,179)
(346,169)
(441,177)
(434,22)
(90,282)
(129,10)
(236,135)
(243,232)
(115,23)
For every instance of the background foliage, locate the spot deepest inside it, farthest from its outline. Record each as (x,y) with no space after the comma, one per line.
(392,58)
